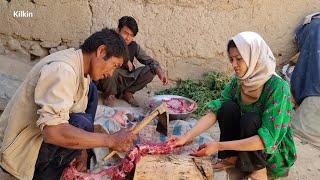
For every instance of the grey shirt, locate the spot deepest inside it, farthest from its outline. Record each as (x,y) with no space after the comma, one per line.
(135,51)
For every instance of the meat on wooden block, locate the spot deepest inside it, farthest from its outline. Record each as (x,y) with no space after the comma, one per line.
(126,165)
(154,167)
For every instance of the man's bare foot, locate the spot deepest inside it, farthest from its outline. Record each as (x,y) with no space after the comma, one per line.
(110,100)
(128,96)
(223,164)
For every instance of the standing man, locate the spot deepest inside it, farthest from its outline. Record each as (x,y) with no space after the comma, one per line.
(127,80)
(49,121)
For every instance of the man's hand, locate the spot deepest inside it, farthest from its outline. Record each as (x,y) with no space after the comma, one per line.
(207,149)
(130,66)
(123,140)
(66,135)
(162,76)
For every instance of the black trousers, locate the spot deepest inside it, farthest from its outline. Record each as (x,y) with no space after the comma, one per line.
(123,80)
(234,126)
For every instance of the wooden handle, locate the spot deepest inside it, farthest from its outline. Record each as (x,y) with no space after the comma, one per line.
(144,122)
(161,109)
(108,156)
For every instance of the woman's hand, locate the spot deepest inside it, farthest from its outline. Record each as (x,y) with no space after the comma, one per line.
(207,149)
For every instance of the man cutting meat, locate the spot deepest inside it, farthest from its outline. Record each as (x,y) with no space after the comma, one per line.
(49,121)
(128,80)
(126,165)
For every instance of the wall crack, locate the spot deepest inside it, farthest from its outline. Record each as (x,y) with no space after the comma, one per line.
(91,11)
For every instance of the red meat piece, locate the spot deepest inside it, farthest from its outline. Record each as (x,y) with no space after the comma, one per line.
(71,173)
(125,167)
(176,105)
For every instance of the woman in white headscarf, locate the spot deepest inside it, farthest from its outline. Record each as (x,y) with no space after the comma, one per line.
(254,113)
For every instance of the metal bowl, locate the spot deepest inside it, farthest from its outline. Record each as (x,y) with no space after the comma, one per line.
(155,101)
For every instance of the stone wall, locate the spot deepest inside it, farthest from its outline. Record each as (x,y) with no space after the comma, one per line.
(188,37)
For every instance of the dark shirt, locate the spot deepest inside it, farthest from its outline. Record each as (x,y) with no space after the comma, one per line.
(135,51)
(305,79)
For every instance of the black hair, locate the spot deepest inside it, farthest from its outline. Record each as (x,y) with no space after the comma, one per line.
(130,22)
(116,45)
(230,45)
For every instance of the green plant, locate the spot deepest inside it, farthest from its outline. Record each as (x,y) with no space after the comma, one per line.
(202,91)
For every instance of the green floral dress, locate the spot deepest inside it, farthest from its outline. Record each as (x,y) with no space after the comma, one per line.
(275,109)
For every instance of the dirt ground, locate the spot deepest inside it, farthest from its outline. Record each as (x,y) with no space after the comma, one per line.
(307,166)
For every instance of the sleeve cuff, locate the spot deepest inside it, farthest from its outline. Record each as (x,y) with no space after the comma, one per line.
(267,140)
(52,120)
(153,68)
(214,106)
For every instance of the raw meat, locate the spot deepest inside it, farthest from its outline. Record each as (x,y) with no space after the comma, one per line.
(176,105)
(121,117)
(71,173)
(125,167)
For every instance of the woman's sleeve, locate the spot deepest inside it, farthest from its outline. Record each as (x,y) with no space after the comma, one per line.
(276,117)
(226,95)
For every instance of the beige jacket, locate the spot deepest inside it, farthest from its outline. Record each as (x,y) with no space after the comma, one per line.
(55,87)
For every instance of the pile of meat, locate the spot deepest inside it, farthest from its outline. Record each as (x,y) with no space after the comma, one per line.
(126,165)
(177,105)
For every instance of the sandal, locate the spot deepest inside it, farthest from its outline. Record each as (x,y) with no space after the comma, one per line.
(221,165)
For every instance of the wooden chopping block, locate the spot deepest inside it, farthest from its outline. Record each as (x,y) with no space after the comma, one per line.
(175,167)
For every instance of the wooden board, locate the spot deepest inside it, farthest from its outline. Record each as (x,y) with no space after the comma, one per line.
(180,167)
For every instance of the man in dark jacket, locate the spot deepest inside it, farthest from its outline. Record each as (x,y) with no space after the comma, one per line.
(127,80)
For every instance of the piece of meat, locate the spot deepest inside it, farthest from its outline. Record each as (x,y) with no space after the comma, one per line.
(177,105)
(192,106)
(126,165)
(121,117)
(71,173)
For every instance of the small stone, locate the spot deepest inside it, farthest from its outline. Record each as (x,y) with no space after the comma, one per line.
(50,44)
(14,44)
(53,50)
(8,86)
(304,142)
(37,50)
(2,49)
(73,44)
(27,44)
(62,47)
(15,65)
(23,51)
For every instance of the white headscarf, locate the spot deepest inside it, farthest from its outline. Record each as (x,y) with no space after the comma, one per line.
(260,61)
